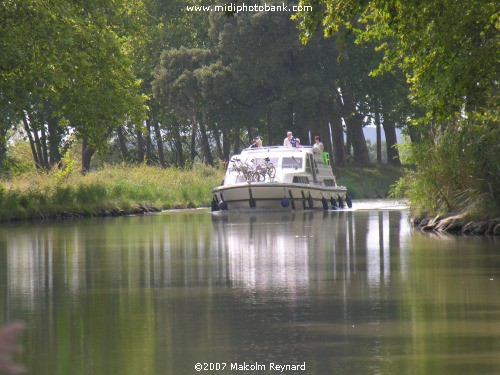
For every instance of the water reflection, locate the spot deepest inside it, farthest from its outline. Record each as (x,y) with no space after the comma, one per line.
(252,250)
(284,249)
(344,291)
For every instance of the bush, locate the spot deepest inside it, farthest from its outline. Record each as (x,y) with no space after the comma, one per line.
(457,170)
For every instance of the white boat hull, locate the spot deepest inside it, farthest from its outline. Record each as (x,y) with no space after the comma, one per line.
(284,196)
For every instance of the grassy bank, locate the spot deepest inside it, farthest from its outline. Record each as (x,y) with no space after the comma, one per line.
(112,190)
(368,182)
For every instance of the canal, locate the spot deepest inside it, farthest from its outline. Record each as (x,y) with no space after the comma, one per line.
(311,293)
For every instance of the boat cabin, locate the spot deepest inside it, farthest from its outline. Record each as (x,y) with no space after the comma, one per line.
(280,164)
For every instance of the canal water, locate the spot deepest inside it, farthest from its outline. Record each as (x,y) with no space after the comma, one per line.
(311,293)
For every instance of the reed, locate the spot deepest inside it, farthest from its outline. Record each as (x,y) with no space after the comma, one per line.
(117,189)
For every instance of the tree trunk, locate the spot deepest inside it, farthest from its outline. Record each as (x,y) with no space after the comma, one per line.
(324,134)
(207,153)
(87,153)
(159,143)
(34,152)
(218,145)
(3,146)
(194,130)
(339,156)
(226,146)
(379,137)
(179,153)
(39,151)
(354,121)
(391,141)
(236,145)
(44,146)
(149,148)
(54,139)
(120,132)
(140,146)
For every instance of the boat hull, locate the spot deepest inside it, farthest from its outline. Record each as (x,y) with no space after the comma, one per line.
(279,196)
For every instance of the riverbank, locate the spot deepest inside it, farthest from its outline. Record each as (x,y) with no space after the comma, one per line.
(110,191)
(130,190)
(458,224)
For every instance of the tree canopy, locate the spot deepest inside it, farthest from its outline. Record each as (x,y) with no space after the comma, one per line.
(447,49)
(449,53)
(68,65)
(85,68)
(258,78)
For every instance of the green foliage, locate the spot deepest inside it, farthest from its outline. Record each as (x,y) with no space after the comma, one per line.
(19,159)
(448,49)
(69,168)
(257,78)
(111,188)
(71,63)
(456,170)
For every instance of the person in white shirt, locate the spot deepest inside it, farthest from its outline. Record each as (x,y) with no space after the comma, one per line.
(289,140)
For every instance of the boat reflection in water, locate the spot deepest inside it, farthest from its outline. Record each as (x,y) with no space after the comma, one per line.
(266,250)
(301,249)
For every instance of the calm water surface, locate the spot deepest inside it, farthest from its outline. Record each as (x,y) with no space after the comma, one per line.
(352,292)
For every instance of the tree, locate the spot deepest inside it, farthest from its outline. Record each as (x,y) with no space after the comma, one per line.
(67,66)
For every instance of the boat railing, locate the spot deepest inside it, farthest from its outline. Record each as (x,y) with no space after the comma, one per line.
(277,148)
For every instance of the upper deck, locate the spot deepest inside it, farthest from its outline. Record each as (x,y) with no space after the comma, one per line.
(292,165)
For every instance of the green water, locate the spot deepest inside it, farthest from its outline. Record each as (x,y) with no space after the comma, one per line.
(354,292)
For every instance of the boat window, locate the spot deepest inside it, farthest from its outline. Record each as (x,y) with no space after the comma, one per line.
(292,163)
(300,180)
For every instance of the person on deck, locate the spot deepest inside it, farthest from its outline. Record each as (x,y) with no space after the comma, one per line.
(289,140)
(257,142)
(318,146)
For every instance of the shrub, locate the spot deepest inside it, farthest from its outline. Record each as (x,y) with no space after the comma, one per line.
(456,170)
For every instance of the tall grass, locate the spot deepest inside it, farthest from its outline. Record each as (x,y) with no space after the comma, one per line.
(457,170)
(116,188)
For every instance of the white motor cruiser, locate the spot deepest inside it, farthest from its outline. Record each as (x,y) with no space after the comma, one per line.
(278,177)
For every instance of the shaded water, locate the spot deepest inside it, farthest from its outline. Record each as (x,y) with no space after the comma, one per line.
(352,292)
